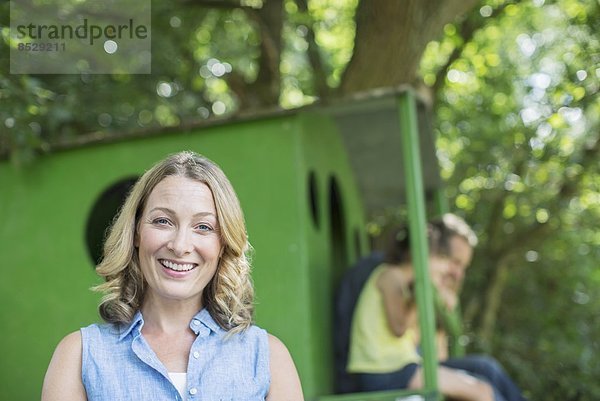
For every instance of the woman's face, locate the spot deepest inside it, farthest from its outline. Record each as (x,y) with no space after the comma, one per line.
(178,240)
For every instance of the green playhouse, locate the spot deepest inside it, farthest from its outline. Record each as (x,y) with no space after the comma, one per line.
(307,179)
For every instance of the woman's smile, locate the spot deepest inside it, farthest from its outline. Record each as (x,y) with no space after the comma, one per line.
(178,267)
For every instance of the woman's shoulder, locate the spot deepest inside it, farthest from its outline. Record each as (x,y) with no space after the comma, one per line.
(394,278)
(387,273)
(70,344)
(285,381)
(98,337)
(63,378)
(252,333)
(73,344)
(277,348)
(103,330)
(278,353)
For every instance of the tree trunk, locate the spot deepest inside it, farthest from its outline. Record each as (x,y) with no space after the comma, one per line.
(493,297)
(391,37)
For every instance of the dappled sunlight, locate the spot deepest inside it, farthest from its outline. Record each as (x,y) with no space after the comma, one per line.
(534,118)
(175,22)
(164,89)
(526,45)
(105,120)
(532,256)
(219,108)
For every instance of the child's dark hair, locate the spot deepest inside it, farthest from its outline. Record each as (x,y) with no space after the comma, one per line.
(397,246)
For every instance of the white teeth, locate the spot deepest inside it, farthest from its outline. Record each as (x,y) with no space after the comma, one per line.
(177,267)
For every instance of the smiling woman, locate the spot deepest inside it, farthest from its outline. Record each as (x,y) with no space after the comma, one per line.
(178,301)
(178,242)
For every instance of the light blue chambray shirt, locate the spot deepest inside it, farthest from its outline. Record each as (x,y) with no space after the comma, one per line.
(118,364)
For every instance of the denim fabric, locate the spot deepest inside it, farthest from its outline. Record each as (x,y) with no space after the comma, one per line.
(479,366)
(490,370)
(119,365)
(386,381)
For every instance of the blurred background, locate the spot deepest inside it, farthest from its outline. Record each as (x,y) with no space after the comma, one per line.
(512,88)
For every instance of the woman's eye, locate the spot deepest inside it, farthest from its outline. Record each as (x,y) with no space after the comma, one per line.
(160,221)
(203,227)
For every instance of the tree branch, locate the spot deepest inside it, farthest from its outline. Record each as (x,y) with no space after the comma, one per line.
(314,57)
(266,87)
(402,27)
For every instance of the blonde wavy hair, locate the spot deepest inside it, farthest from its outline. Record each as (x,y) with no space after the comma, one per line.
(228,296)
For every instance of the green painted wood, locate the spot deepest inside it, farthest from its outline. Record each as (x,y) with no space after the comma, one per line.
(415,200)
(440,201)
(395,395)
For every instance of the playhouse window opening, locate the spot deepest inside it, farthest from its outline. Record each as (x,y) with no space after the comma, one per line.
(313,198)
(102,215)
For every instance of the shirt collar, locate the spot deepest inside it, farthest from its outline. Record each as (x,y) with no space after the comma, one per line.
(137,320)
(201,324)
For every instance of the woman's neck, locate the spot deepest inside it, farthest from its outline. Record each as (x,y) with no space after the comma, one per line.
(169,316)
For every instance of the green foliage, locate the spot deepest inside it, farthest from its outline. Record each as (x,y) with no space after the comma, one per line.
(49,109)
(200,56)
(518,128)
(332,22)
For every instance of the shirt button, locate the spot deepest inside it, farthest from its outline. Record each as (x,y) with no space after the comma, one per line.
(196,354)
(193,390)
(195,322)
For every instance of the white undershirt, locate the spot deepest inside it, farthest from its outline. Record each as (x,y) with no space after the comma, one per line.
(179,380)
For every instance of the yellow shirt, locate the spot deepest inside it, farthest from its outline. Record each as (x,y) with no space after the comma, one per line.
(373,346)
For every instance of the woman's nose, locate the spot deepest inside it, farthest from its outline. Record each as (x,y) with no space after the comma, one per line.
(180,243)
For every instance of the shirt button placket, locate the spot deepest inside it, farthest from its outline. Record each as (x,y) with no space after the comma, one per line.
(192,370)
